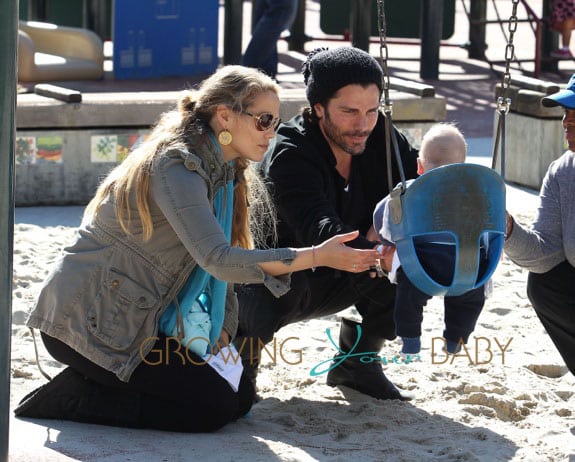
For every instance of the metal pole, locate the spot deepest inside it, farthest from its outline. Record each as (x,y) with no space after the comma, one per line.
(537,65)
(42,10)
(477,14)
(97,17)
(297,38)
(233,19)
(431,27)
(360,23)
(549,41)
(86,19)
(32,11)
(8,50)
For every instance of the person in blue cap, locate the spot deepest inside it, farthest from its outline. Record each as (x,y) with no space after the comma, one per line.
(547,247)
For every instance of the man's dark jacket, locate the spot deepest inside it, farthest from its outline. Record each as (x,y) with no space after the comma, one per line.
(308,191)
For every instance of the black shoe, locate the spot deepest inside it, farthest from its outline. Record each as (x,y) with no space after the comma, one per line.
(251,371)
(367,378)
(45,402)
(71,396)
(250,364)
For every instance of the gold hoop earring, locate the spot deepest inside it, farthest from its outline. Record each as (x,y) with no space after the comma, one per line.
(225,137)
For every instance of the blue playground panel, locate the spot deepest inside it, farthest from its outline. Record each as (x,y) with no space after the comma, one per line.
(160,38)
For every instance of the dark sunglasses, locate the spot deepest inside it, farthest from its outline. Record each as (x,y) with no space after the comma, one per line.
(264,121)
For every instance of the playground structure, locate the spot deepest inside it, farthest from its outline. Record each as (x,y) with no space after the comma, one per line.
(36,108)
(48,52)
(424,24)
(63,149)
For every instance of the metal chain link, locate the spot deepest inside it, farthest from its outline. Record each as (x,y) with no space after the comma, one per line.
(503,102)
(391,145)
(383,54)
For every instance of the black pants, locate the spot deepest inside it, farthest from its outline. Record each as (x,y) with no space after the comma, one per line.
(176,394)
(460,315)
(315,294)
(552,295)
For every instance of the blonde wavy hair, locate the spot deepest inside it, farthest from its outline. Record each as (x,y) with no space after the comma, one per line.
(234,86)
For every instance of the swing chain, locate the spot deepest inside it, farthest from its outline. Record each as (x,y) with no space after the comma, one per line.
(383,54)
(504,103)
(391,145)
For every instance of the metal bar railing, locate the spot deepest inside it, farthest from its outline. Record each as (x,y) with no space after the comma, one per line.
(477,24)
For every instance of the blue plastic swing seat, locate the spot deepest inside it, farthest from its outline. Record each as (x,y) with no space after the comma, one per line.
(460,210)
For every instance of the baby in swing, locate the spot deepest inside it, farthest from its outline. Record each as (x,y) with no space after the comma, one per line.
(443,144)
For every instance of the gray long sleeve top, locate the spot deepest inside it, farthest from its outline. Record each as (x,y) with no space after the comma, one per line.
(551,238)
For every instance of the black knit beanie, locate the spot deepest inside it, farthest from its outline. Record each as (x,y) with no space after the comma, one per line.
(326,70)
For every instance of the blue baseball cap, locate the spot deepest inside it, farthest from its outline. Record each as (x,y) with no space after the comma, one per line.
(565,98)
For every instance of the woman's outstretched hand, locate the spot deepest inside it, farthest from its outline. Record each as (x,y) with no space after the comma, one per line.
(335,254)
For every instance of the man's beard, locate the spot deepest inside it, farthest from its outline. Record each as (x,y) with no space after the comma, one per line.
(338,137)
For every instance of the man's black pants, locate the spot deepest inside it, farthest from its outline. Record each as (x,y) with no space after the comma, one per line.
(316,294)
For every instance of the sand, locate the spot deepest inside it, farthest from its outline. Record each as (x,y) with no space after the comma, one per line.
(507,396)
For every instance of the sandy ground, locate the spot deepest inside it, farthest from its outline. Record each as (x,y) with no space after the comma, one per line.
(508,396)
(484,406)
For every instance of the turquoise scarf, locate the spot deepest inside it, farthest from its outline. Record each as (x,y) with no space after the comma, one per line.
(202,288)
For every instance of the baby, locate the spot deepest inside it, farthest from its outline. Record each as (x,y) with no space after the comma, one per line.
(443,144)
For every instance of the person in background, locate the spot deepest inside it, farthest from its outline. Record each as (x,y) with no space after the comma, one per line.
(547,247)
(562,20)
(443,144)
(150,224)
(271,18)
(323,179)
